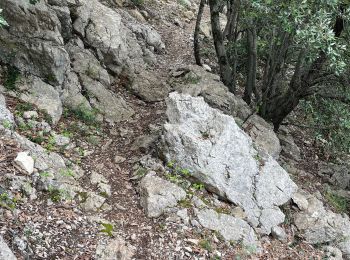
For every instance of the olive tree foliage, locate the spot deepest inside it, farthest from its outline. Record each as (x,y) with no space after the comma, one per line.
(287,50)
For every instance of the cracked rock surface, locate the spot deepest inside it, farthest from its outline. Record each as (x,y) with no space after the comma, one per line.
(223,157)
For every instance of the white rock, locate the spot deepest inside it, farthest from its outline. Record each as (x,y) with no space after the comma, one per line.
(25,162)
(30,114)
(231,228)
(206,67)
(5,251)
(220,155)
(157,195)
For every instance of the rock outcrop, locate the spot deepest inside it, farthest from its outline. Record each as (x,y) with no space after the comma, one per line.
(220,155)
(69,54)
(319,225)
(196,81)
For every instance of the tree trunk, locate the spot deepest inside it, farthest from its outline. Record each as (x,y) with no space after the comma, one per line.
(225,69)
(196,46)
(278,108)
(251,65)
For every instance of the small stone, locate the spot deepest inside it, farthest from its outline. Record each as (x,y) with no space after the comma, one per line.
(119,159)
(25,162)
(332,253)
(183,214)
(30,114)
(158,195)
(238,212)
(189,15)
(61,140)
(279,233)
(193,241)
(301,201)
(93,202)
(206,67)
(96,178)
(133,237)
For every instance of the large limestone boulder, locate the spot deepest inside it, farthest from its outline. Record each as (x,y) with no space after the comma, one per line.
(34,36)
(219,154)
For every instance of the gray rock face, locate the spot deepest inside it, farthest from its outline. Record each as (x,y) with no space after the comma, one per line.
(5,251)
(231,228)
(44,96)
(263,135)
(34,34)
(289,148)
(319,225)
(5,114)
(112,106)
(158,195)
(220,155)
(196,81)
(117,46)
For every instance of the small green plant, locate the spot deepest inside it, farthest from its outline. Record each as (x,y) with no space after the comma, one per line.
(85,114)
(57,195)
(12,75)
(7,124)
(104,194)
(51,142)
(108,229)
(83,196)
(185,203)
(67,172)
(338,202)
(137,2)
(223,210)
(38,139)
(22,107)
(141,171)
(45,175)
(171,164)
(7,202)
(24,127)
(205,244)
(67,133)
(198,186)
(183,3)
(91,72)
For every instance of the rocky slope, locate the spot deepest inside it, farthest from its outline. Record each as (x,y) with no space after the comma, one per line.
(95,165)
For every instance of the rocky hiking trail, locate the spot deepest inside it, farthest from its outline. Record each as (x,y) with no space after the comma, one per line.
(144,174)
